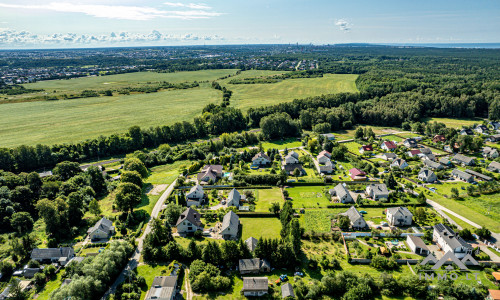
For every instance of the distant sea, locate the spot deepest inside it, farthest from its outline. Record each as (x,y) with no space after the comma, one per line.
(449,45)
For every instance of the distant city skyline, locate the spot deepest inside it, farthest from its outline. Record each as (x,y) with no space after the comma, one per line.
(90,23)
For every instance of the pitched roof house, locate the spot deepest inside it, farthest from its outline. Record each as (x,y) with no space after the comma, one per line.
(410,143)
(189,221)
(365,148)
(449,241)
(377,191)
(399,216)
(388,146)
(210,173)
(251,243)
(163,288)
(464,160)
(439,138)
(493,167)
(261,159)
(458,174)
(357,174)
(357,220)
(444,161)
(417,245)
(342,193)
(230,226)
(287,291)
(290,168)
(427,175)
(494,138)
(389,156)
(433,165)
(489,152)
(292,158)
(233,199)
(253,266)
(325,153)
(466,131)
(399,163)
(413,153)
(103,229)
(60,255)
(323,157)
(326,167)
(481,129)
(255,286)
(329,136)
(195,196)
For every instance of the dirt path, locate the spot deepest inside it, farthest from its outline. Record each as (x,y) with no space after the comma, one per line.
(189,291)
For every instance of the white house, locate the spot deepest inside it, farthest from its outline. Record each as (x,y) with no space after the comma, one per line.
(103,229)
(326,168)
(427,176)
(195,196)
(490,153)
(399,216)
(416,245)
(449,241)
(399,163)
(357,220)
(233,199)
(377,191)
(323,157)
(292,158)
(261,159)
(389,156)
(189,221)
(229,226)
(388,146)
(342,193)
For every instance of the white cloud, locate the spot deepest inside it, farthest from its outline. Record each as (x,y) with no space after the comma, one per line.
(14,38)
(138,13)
(188,5)
(343,24)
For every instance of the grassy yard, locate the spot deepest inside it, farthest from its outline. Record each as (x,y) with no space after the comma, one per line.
(282,144)
(308,196)
(260,227)
(254,95)
(51,286)
(149,273)
(320,220)
(392,138)
(166,174)
(265,197)
(349,133)
(455,122)
(353,147)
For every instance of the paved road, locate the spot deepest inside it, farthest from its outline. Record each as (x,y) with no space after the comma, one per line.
(134,260)
(440,207)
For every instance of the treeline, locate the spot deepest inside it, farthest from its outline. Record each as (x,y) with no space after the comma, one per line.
(16,90)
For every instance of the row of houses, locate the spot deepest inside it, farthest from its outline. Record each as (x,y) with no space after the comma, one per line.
(190,221)
(376,191)
(396,216)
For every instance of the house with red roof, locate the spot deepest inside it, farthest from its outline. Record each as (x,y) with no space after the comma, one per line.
(357,174)
(413,153)
(439,138)
(388,146)
(365,148)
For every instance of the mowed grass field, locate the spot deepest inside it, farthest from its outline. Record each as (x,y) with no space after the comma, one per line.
(255,95)
(455,122)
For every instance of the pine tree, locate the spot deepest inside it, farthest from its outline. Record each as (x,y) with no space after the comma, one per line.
(295,236)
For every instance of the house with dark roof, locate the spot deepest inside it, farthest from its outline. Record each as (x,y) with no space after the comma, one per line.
(427,175)
(366,149)
(287,291)
(356,218)
(251,243)
(60,255)
(399,163)
(233,199)
(439,138)
(163,288)
(494,138)
(445,162)
(410,143)
(342,193)
(466,131)
(433,165)
(377,191)
(389,156)
(253,266)
(463,160)
(494,167)
(290,169)
(189,222)
(461,175)
(326,167)
(490,153)
(230,225)
(255,286)
(209,173)
(478,176)
(103,229)
(261,159)
(399,216)
(388,146)
(196,196)
(449,241)
(416,245)
(357,174)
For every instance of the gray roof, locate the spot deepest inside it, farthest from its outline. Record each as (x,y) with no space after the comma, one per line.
(411,141)
(48,253)
(444,161)
(190,215)
(287,290)
(461,174)
(379,189)
(353,214)
(341,190)
(418,242)
(401,209)
(231,220)
(261,154)
(289,168)
(103,224)
(479,175)
(163,288)
(462,158)
(427,173)
(494,166)
(450,237)
(251,243)
(390,155)
(432,164)
(234,195)
(426,151)
(252,264)
(255,283)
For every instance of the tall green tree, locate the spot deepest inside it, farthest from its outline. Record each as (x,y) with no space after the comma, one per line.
(128,195)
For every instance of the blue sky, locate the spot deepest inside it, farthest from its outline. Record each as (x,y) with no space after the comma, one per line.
(62,23)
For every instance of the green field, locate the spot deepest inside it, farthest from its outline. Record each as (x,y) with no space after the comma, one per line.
(260,227)
(455,123)
(308,196)
(265,197)
(255,95)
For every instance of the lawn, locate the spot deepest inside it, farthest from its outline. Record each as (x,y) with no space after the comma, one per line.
(308,196)
(282,144)
(50,287)
(455,123)
(149,273)
(50,122)
(260,227)
(255,95)
(392,137)
(166,174)
(320,220)
(265,197)
(349,133)
(353,147)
